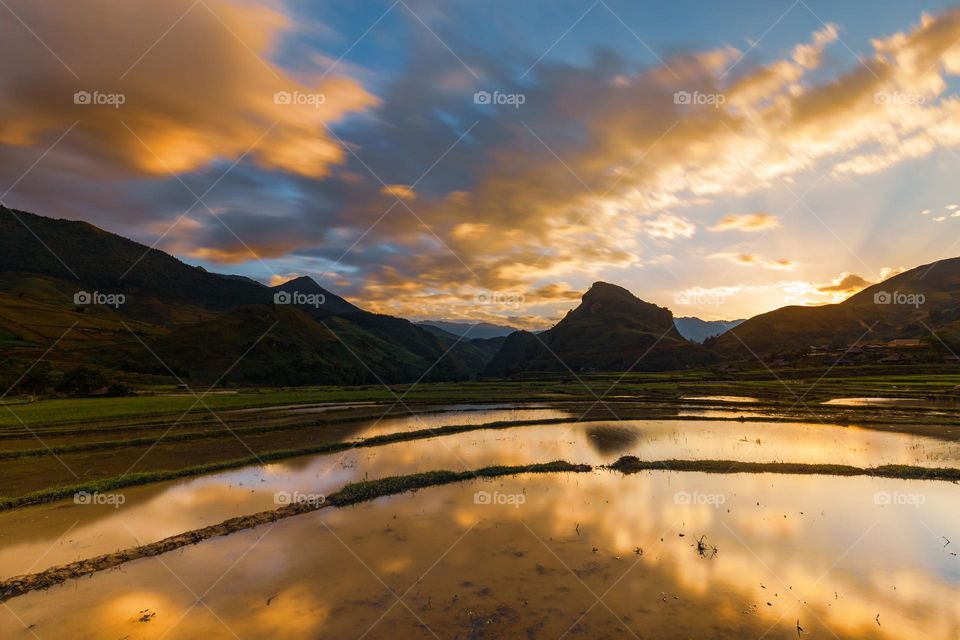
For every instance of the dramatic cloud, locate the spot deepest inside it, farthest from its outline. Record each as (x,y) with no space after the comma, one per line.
(545,203)
(422,195)
(160,87)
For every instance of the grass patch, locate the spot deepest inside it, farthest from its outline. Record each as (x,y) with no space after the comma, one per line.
(368,490)
(900,381)
(632,464)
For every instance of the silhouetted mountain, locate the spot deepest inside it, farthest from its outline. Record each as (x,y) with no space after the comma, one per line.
(327,304)
(913,304)
(98,260)
(202,324)
(697,330)
(199,324)
(468,329)
(611,330)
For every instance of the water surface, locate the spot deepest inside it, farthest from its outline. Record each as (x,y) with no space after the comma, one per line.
(595,555)
(35,538)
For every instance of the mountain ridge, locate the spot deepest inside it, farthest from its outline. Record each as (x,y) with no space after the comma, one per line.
(920,303)
(297,332)
(610,330)
(469,329)
(194,321)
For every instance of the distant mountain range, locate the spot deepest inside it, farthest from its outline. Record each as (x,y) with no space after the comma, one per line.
(697,330)
(692,329)
(470,329)
(93,297)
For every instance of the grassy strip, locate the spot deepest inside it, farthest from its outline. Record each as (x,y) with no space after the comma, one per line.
(107,445)
(368,490)
(632,464)
(351,494)
(147,477)
(807,383)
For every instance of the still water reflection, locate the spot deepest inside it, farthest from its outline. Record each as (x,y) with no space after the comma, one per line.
(36,538)
(597,555)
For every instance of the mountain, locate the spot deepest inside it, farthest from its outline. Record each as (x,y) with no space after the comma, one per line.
(697,330)
(469,329)
(154,314)
(909,305)
(200,325)
(302,289)
(103,261)
(611,330)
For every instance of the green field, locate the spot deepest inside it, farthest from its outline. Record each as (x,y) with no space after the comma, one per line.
(810,386)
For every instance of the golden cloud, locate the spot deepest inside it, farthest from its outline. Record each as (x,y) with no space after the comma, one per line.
(401,191)
(531,217)
(540,207)
(846,283)
(150,100)
(746,222)
(670,227)
(753,260)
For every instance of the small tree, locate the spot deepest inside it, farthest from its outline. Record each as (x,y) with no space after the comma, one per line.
(82,381)
(18,377)
(38,380)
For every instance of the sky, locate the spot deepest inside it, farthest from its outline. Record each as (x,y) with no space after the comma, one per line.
(489,160)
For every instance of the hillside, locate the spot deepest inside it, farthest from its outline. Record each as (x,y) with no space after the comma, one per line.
(468,329)
(198,323)
(104,261)
(908,305)
(611,330)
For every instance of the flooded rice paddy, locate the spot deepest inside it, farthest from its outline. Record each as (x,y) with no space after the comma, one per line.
(657,554)
(594,556)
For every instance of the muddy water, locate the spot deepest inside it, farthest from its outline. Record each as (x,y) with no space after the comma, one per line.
(912,403)
(461,414)
(36,538)
(734,399)
(549,557)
